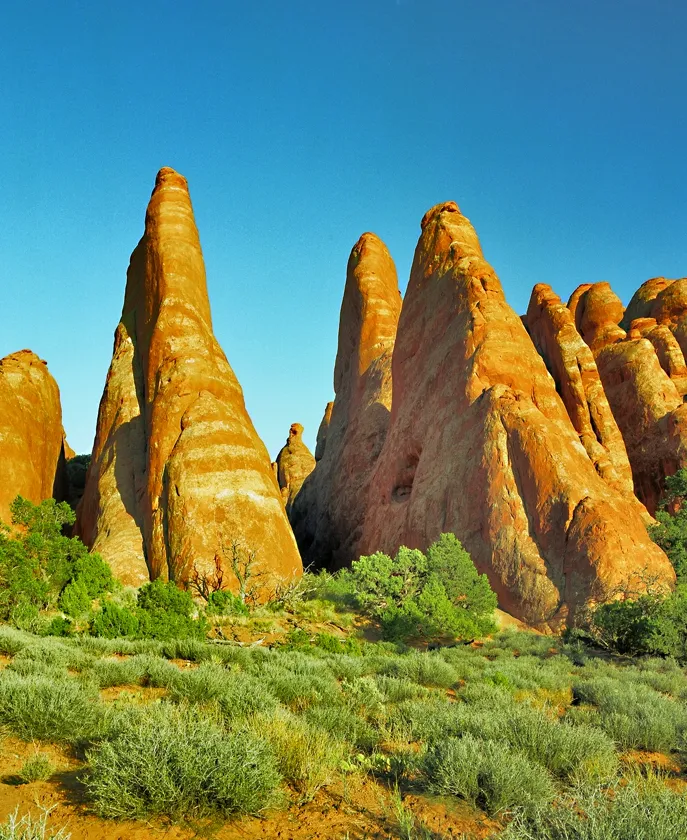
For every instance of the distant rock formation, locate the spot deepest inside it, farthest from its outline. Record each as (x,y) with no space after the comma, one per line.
(570,362)
(178,471)
(294,464)
(643,373)
(480,444)
(32,442)
(327,513)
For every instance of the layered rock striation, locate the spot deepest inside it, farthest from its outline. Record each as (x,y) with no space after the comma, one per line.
(32,442)
(480,444)
(571,363)
(643,372)
(178,471)
(327,514)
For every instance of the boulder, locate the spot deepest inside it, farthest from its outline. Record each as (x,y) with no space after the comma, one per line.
(178,472)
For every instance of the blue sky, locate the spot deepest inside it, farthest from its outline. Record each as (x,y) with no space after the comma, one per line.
(559,128)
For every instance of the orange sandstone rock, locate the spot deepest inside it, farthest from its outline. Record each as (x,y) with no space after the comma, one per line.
(178,469)
(321,441)
(294,463)
(641,304)
(32,440)
(480,444)
(597,311)
(328,512)
(570,362)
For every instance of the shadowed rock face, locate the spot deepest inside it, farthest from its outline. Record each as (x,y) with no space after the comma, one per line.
(570,362)
(32,459)
(294,464)
(177,468)
(480,444)
(328,512)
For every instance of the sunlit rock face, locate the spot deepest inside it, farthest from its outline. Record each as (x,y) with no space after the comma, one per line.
(32,444)
(178,470)
(294,464)
(479,443)
(327,514)
(571,363)
(642,367)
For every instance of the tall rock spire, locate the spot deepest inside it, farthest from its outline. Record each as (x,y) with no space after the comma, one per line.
(480,444)
(327,513)
(178,469)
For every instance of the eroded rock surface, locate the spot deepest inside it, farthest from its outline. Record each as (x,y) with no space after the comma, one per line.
(480,444)
(32,444)
(571,363)
(328,512)
(178,470)
(597,312)
(294,464)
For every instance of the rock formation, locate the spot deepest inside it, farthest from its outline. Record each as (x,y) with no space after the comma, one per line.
(328,512)
(178,471)
(570,362)
(643,373)
(294,464)
(32,443)
(479,443)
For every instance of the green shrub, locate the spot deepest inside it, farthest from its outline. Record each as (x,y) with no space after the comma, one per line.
(165,612)
(344,725)
(170,761)
(634,715)
(307,758)
(74,599)
(39,567)
(434,595)
(670,532)
(30,828)
(223,602)
(59,626)
(45,709)
(487,774)
(633,809)
(38,768)
(113,621)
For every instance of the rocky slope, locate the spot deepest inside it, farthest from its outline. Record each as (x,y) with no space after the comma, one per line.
(178,471)
(32,443)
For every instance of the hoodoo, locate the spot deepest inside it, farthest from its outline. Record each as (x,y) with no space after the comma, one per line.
(480,444)
(328,512)
(32,445)
(294,464)
(178,470)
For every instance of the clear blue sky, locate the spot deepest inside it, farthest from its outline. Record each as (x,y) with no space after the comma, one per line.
(558,127)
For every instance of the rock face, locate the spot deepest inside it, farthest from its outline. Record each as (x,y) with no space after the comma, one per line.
(328,512)
(570,362)
(479,443)
(643,373)
(294,463)
(597,311)
(178,471)
(32,454)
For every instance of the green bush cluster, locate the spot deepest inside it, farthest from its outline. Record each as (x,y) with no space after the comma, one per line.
(42,569)
(435,595)
(162,611)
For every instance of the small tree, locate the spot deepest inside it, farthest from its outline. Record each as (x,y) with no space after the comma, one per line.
(433,595)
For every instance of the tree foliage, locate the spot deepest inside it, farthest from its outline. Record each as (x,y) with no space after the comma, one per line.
(41,568)
(430,595)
